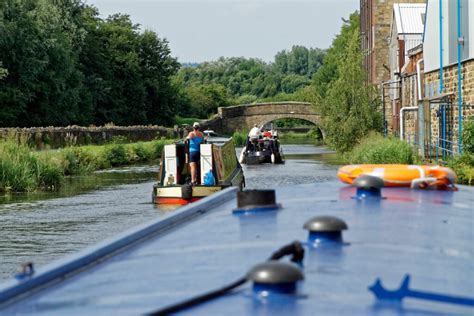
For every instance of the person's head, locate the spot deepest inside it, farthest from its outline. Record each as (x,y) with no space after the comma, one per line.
(255,125)
(196,125)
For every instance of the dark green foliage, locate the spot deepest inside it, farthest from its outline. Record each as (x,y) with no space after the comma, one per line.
(468,136)
(157,150)
(142,152)
(21,170)
(62,64)
(229,81)
(77,160)
(464,168)
(116,154)
(342,94)
(239,138)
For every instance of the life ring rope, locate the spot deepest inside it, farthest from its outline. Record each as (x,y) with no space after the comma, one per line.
(414,176)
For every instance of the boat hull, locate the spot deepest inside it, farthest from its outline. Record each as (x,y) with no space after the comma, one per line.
(182,195)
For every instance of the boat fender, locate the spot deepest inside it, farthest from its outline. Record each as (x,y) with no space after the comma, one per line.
(187,191)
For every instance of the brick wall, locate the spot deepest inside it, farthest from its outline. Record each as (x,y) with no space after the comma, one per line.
(376,18)
(451,89)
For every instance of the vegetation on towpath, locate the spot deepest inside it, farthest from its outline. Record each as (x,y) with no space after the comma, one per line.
(375,149)
(464,164)
(24,170)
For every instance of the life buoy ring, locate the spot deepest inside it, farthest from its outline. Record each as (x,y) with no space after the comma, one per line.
(420,177)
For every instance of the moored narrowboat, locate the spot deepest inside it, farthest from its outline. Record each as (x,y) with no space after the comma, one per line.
(218,169)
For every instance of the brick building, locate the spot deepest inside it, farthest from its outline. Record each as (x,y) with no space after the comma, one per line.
(440,113)
(406,33)
(376,19)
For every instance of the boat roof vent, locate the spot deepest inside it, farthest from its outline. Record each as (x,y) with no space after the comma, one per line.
(368,186)
(324,230)
(256,200)
(275,272)
(325,224)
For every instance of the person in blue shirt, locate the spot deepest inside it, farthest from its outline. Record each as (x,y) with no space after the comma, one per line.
(195,139)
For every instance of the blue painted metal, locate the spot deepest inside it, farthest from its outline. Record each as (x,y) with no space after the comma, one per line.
(427,234)
(459,79)
(269,289)
(404,292)
(363,193)
(315,239)
(441,67)
(443,129)
(252,210)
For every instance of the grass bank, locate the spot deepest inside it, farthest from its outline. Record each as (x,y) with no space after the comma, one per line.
(375,149)
(464,168)
(24,170)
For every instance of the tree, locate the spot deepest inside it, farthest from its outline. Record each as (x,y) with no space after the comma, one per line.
(38,43)
(298,61)
(349,113)
(3,71)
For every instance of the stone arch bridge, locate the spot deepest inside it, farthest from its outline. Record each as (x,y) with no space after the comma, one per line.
(243,117)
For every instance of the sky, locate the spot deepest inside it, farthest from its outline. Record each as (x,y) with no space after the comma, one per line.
(204,30)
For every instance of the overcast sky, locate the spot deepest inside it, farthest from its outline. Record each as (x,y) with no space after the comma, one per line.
(203,30)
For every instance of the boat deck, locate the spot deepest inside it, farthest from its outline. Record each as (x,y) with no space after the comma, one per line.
(427,234)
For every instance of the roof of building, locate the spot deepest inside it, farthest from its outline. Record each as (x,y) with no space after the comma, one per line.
(409,17)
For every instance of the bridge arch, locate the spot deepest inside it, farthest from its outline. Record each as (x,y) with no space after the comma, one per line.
(243,117)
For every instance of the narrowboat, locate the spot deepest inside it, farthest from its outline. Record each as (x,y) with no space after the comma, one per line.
(218,169)
(315,249)
(266,149)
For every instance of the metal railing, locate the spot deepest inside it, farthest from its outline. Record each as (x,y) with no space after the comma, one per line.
(438,150)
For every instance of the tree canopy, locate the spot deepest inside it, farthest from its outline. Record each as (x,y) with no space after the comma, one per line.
(342,94)
(61,64)
(239,80)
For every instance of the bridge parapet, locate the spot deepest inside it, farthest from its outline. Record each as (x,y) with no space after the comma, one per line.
(243,117)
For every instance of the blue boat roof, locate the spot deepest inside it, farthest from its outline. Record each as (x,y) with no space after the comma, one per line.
(426,234)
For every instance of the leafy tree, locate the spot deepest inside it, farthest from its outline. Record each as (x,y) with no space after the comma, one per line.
(66,65)
(3,71)
(298,60)
(38,42)
(345,99)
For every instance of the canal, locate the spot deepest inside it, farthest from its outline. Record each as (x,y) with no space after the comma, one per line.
(43,227)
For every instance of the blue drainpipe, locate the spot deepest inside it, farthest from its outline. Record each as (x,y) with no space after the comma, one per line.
(459,80)
(441,83)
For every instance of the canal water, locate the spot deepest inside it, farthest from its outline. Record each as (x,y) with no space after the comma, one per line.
(44,227)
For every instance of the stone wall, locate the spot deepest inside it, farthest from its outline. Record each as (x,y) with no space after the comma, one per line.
(57,137)
(243,117)
(450,75)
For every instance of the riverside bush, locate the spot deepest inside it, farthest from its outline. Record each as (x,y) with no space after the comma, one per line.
(464,168)
(239,138)
(142,152)
(23,171)
(375,149)
(116,154)
(468,137)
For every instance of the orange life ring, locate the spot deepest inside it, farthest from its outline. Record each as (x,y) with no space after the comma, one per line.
(421,177)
